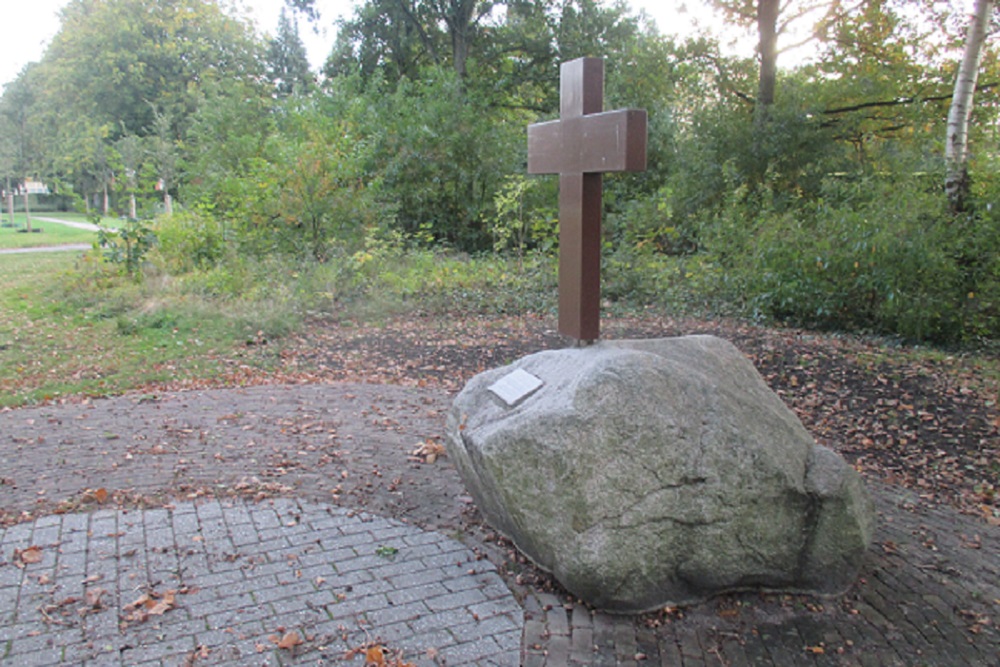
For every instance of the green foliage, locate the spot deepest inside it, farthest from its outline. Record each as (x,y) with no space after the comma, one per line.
(365,192)
(118,60)
(127,246)
(874,254)
(520,224)
(189,241)
(441,154)
(287,62)
(311,198)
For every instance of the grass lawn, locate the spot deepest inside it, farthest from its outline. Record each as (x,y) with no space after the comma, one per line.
(52,233)
(59,337)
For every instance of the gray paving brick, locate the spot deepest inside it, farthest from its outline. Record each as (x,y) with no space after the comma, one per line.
(281,574)
(389,613)
(400,595)
(472,652)
(495,625)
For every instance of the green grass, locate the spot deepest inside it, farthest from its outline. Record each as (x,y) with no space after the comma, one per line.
(69,327)
(51,234)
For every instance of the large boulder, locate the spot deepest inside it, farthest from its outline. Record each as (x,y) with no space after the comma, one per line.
(656,472)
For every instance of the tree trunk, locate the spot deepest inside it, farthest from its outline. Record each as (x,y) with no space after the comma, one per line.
(107,200)
(767,48)
(27,212)
(956,149)
(10,201)
(168,203)
(132,213)
(458,16)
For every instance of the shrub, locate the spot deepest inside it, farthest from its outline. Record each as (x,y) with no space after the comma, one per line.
(873,254)
(189,241)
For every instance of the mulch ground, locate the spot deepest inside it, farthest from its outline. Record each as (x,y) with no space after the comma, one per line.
(927,422)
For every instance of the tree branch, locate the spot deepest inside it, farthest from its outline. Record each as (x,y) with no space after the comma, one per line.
(899,101)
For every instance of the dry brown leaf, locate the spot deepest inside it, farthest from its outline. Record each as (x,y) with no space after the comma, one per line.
(374,655)
(101,495)
(163,605)
(93,597)
(429,451)
(28,556)
(290,640)
(150,604)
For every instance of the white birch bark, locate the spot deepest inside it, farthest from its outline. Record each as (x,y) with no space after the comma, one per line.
(956,151)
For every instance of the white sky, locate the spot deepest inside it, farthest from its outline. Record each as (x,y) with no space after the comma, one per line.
(27,27)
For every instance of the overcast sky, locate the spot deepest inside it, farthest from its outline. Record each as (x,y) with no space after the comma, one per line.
(28,26)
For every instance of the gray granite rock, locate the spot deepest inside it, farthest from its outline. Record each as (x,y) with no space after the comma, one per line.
(647,473)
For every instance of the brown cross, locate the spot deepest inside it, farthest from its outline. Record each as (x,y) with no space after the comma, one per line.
(580,146)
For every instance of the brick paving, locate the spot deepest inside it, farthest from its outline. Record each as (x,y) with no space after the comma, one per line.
(385,565)
(929,595)
(241,577)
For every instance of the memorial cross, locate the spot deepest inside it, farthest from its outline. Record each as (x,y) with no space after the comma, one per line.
(583,144)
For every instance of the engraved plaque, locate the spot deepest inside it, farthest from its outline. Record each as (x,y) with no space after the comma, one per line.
(515,387)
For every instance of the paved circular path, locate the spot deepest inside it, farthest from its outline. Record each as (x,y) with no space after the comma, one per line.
(229,582)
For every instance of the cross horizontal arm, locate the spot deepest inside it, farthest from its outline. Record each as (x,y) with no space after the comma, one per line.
(596,143)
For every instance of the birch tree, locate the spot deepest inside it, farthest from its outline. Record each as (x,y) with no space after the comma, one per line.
(956,149)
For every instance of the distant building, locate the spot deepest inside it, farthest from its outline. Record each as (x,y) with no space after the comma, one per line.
(35,188)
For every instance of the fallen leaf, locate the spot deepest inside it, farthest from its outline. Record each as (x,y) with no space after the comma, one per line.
(374,655)
(101,495)
(93,597)
(290,640)
(428,451)
(163,605)
(28,556)
(150,604)
(816,650)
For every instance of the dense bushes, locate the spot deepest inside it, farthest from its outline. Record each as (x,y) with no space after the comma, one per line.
(874,254)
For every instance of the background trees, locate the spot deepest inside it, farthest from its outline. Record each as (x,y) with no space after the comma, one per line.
(809,192)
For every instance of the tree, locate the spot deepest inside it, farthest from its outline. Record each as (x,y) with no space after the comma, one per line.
(767,51)
(287,64)
(227,138)
(115,61)
(956,143)
(405,32)
(130,149)
(8,163)
(163,157)
(23,153)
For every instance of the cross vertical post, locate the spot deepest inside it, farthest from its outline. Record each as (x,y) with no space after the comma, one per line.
(580,146)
